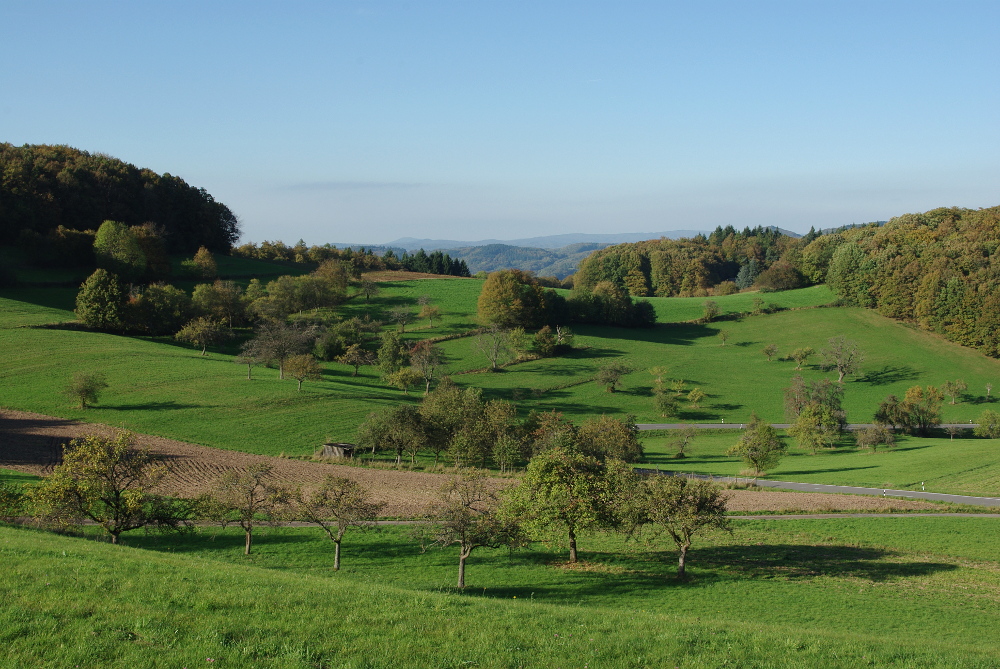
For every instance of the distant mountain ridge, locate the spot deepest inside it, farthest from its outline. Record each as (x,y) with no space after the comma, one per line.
(547,242)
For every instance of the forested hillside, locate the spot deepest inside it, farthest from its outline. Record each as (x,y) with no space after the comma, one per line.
(44,187)
(559,263)
(939,269)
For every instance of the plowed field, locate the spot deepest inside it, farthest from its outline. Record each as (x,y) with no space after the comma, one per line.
(32,443)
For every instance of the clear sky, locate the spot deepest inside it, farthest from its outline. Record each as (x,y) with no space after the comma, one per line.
(365,121)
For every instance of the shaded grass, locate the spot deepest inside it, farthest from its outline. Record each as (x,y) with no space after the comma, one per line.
(845,593)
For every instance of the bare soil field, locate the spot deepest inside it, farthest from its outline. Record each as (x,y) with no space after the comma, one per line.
(32,443)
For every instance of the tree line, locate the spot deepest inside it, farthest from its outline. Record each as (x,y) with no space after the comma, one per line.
(362,259)
(51,194)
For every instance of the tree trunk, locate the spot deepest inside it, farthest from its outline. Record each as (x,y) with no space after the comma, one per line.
(681,560)
(461,568)
(248,373)
(427,388)
(249,540)
(203,349)
(114,537)
(300,385)
(336,555)
(572,546)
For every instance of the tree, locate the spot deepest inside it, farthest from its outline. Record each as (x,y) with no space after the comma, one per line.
(842,355)
(391,355)
(109,481)
(666,404)
(369,289)
(426,358)
(203,264)
(336,506)
(695,397)
(355,357)
(759,446)
(250,355)
(511,298)
(396,429)
(404,378)
(817,426)
(494,343)
(86,387)
(402,317)
(770,351)
(723,336)
(247,498)
(988,425)
(430,312)
(800,355)
(682,439)
(276,342)
(157,309)
(871,437)
(605,437)
(921,409)
(203,332)
(610,374)
(100,304)
(303,367)
(467,515)
(711,311)
(118,250)
(222,301)
(953,389)
(565,491)
(682,507)
(989,389)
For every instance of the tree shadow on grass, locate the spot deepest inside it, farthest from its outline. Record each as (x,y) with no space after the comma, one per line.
(822,471)
(889,374)
(168,405)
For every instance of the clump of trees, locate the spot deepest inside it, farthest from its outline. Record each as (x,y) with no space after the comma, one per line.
(359,260)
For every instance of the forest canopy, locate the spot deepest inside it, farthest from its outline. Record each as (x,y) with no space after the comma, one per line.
(43,187)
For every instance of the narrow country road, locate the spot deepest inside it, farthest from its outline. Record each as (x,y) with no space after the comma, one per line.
(780,426)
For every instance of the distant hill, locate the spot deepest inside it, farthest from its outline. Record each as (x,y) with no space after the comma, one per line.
(544,262)
(548,242)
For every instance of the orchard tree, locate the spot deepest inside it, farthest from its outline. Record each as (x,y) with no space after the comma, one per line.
(696,397)
(711,311)
(759,447)
(246,498)
(494,343)
(430,312)
(203,332)
(117,250)
(988,425)
(610,374)
(276,342)
(303,367)
(467,516)
(770,351)
(86,387)
(336,506)
(872,437)
(402,317)
(403,378)
(842,355)
(681,507)
(723,336)
(399,429)
(817,426)
(666,403)
(100,304)
(355,357)
(221,301)
(511,298)
(426,359)
(606,437)
(110,482)
(953,389)
(800,355)
(567,492)
(682,438)
(369,289)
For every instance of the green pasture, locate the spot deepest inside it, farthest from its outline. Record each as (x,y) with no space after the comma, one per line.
(160,387)
(963,466)
(681,309)
(903,592)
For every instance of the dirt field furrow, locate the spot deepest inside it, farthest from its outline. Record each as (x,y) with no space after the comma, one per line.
(32,443)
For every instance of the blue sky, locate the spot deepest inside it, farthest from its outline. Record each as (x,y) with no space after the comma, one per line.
(365,121)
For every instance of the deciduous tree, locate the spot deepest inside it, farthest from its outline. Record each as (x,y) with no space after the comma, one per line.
(842,355)
(336,506)
(988,425)
(203,332)
(247,498)
(109,481)
(86,387)
(759,447)
(101,301)
(355,357)
(610,374)
(303,367)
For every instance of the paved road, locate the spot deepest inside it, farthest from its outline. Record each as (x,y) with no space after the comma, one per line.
(821,516)
(780,426)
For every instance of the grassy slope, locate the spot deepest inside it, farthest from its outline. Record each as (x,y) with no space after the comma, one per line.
(962,466)
(162,388)
(789,594)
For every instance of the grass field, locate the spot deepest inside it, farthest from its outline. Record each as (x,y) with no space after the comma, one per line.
(162,388)
(964,466)
(902,592)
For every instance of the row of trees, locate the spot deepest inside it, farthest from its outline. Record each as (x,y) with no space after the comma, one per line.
(564,493)
(360,260)
(512,298)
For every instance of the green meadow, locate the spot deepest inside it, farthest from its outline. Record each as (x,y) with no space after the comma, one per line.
(160,387)
(873,592)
